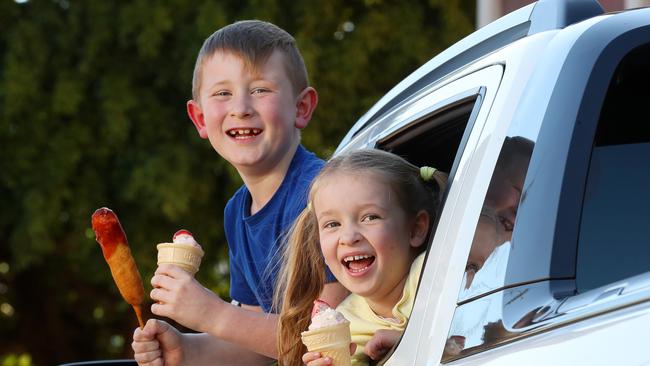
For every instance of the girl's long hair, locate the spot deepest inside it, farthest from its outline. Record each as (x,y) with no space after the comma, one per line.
(302,275)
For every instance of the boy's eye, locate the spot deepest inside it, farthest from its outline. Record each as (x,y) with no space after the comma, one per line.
(221,93)
(259,91)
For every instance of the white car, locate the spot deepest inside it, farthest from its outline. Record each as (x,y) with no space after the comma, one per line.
(541,253)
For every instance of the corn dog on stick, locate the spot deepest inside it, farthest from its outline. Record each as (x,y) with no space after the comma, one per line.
(116,251)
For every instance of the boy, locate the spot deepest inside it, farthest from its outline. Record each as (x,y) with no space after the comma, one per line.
(250,99)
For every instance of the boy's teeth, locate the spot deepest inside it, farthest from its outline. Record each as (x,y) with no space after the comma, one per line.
(254,131)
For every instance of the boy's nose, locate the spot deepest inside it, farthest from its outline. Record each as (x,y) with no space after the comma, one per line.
(241,107)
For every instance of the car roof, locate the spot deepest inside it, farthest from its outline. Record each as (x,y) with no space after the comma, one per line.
(538,17)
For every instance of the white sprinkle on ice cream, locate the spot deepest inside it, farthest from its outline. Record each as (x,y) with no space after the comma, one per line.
(326,318)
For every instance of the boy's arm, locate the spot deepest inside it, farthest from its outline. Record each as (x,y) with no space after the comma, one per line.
(250,328)
(208,350)
(180,297)
(158,343)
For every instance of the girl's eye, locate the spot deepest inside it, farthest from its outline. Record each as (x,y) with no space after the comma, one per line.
(370,217)
(330,224)
(221,93)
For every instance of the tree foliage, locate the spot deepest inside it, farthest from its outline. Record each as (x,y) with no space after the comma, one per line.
(92,114)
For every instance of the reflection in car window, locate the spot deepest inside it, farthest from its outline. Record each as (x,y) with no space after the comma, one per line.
(497,219)
(489,253)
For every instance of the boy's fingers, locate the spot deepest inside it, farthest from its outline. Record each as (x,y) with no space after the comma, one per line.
(160,295)
(149,358)
(147,333)
(159,310)
(162,280)
(151,348)
(171,271)
(154,327)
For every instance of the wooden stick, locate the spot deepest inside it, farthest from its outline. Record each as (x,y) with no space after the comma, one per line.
(138,313)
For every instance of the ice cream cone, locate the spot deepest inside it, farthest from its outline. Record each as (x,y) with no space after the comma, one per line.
(187,257)
(333,342)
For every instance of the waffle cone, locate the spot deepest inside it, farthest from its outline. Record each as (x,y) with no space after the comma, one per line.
(333,342)
(187,257)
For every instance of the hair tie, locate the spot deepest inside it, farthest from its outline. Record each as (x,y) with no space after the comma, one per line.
(426,172)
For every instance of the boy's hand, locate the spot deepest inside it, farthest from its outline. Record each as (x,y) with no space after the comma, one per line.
(179,296)
(157,344)
(381,343)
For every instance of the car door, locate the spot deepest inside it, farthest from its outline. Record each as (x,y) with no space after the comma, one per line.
(573,283)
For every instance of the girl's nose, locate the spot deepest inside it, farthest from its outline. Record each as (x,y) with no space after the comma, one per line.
(349,236)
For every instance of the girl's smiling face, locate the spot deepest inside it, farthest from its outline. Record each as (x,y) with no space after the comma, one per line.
(367,238)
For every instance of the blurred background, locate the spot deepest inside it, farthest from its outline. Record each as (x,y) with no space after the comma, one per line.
(92,114)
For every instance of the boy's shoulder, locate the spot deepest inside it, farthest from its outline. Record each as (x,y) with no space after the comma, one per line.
(304,166)
(305,161)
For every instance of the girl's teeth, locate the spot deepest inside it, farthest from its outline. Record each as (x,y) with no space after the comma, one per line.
(358,270)
(356,257)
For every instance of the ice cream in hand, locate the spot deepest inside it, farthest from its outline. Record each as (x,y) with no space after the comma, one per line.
(329,334)
(183,252)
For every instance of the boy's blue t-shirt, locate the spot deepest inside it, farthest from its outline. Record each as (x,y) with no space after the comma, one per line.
(254,240)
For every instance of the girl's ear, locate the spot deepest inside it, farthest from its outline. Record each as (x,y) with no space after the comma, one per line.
(420,229)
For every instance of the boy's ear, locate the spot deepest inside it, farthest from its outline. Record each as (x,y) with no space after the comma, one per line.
(195,113)
(305,106)
(420,229)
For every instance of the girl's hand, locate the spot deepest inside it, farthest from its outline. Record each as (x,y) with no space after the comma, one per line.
(381,343)
(315,359)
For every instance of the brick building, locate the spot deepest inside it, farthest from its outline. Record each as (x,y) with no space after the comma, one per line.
(489,10)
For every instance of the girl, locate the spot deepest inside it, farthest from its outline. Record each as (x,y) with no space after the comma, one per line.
(368,218)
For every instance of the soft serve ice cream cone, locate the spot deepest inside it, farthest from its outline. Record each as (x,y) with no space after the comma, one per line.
(329,334)
(183,252)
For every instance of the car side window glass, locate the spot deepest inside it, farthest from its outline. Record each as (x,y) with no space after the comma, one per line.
(488,258)
(615,223)
(493,231)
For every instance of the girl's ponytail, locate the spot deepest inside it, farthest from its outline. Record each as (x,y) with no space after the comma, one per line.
(300,282)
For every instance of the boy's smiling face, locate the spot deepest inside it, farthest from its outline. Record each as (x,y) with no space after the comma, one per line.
(251,116)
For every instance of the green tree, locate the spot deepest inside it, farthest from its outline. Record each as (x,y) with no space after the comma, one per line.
(92,114)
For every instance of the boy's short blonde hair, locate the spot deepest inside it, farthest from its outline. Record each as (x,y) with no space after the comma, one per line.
(254,41)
